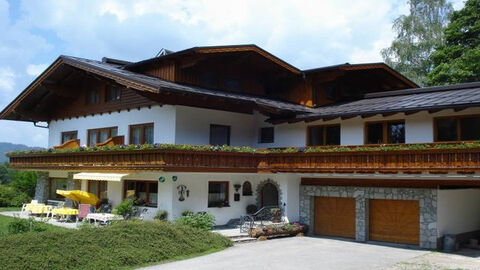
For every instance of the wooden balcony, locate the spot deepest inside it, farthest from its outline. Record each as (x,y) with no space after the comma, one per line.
(408,161)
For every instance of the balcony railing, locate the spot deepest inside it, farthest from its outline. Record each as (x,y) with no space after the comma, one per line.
(462,160)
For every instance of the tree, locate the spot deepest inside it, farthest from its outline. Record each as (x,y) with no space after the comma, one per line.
(417,35)
(458,60)
(6,174)
(25,181)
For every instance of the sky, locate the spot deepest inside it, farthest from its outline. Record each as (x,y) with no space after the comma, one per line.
(306,34)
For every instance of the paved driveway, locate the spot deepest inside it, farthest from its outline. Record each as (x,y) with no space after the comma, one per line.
(298,253)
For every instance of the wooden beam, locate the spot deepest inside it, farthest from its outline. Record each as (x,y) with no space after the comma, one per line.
(368,115)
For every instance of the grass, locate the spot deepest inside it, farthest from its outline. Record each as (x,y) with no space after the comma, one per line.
(119,246)
(4,221)
(5,209)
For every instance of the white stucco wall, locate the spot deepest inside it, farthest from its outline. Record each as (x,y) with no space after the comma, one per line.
(163,118)
(458,211)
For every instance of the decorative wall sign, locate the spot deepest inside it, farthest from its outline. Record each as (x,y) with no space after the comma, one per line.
(236,197)
(237,187)
(182,192)
(161,179)
(174,178)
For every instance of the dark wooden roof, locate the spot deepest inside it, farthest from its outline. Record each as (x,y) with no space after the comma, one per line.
(408,100)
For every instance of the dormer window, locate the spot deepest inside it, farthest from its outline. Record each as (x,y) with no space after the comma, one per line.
(112,93)
(92,96)
(208,80)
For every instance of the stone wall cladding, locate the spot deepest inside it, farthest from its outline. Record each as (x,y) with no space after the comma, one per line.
(427,201)
(42,187)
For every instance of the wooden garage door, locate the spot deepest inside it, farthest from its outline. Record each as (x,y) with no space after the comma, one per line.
(396,221)
(335,216)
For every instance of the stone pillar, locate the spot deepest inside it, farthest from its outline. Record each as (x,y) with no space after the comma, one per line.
(71,185)
(42,187)
(361,220)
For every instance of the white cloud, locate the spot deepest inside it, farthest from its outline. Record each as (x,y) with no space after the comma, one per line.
(35,70)
(7,80)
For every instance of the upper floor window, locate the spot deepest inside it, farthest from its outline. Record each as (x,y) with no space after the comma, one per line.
(93,96)
(219,135)
(209,80)
(69,135)
(385,132)
(141,134)
(266,135)
(218,194)
(457,128)
(112,93)
(100,135)
(232,84)
(323,135)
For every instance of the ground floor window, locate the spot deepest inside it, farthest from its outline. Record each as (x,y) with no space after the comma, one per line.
(98,188)
(144,193)
(218,194)
(56,183)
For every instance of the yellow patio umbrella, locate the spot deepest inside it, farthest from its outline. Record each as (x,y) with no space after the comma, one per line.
(79,196)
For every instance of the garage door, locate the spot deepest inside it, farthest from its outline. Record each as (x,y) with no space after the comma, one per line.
(396,221)
(335,216)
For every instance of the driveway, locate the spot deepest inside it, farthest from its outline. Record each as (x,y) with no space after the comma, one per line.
(298,253)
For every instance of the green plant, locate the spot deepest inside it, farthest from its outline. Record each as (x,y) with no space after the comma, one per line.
(161,215)
(9,196)
(25,182)
(204,221)
(117,246)
(251,209)
(19,225)
(124,208)
(187,213)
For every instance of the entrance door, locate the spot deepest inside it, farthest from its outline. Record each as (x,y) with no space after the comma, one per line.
(269,195)
(335,216)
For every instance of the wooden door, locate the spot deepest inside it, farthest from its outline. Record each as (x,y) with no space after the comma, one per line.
(335,216)
(396,221)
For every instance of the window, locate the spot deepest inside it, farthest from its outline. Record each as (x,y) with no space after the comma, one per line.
(100,135)
(218,194)
(247,188)
(112,93)
(69,135)
(98,188)
(209,80)
(56,183)
(143,193)
(266,135)
(385,132)
(232,84)
(330,91)
(141,134)
(323,135)
(459,128)
(92,96)
(219,135)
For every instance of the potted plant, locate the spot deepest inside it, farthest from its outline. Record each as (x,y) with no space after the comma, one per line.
(276,214)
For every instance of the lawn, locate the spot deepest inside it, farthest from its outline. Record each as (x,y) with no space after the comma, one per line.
(121,245)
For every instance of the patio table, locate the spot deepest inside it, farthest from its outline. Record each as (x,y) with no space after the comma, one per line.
(63,212)
(37,208)
(103,218)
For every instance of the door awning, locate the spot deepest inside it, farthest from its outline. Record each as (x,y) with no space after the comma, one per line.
(115,177)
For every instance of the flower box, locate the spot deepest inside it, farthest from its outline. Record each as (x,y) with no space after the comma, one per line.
(278,229)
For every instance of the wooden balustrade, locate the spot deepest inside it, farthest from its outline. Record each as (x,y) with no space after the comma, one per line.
(407,161)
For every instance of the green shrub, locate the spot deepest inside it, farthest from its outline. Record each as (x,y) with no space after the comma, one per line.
(124,208)
(9,196)
(121,245)
(25,182)
(19,225)
(161,215)
(251,209)
(187,213)
(204,221)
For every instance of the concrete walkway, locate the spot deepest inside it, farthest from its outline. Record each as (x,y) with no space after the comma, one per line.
(298,253)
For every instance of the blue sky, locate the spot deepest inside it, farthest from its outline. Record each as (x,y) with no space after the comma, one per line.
(307,34)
